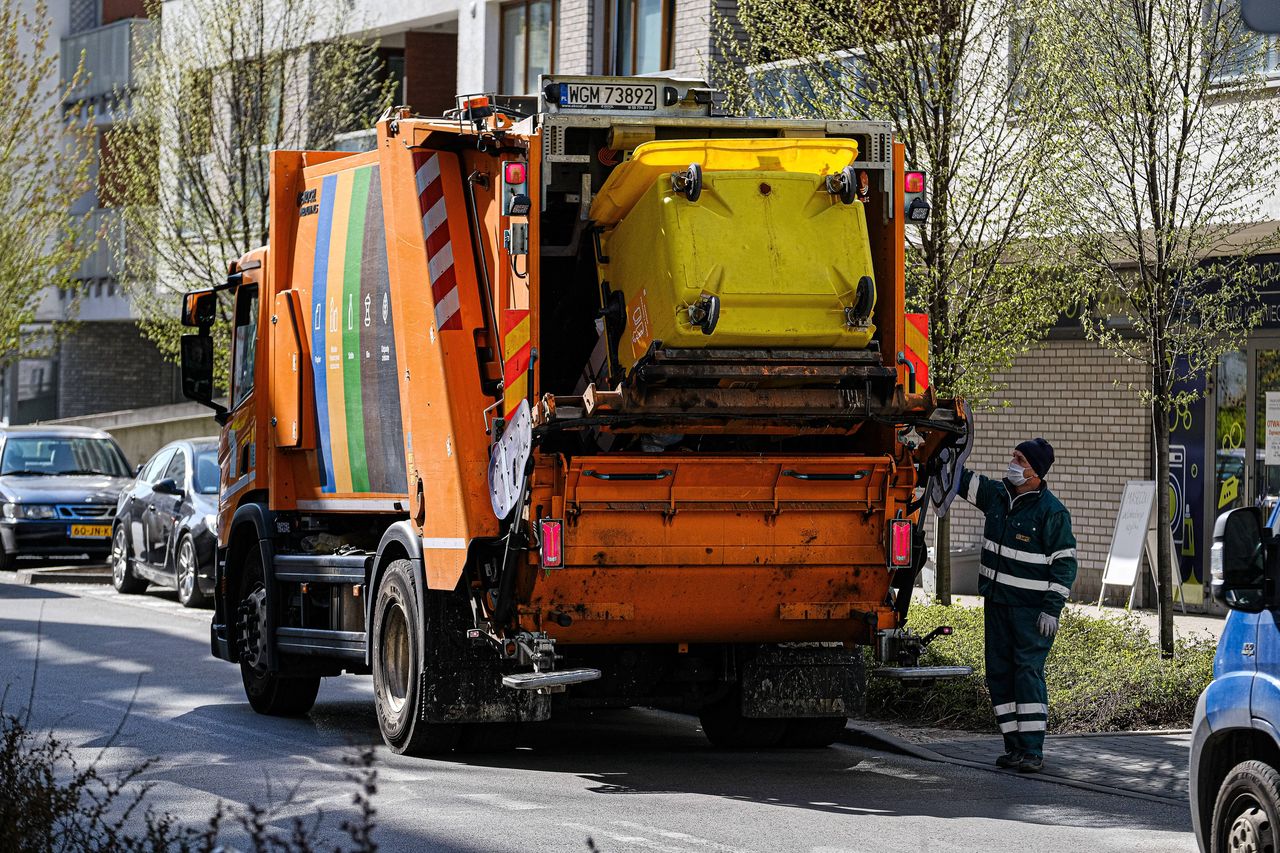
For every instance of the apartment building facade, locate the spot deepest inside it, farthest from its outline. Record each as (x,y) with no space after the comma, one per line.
(434,49)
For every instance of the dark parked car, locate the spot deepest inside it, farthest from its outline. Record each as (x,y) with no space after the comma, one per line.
(166,523)
(58,491)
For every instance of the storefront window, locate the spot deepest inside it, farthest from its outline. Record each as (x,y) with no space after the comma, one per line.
(641,41)
(528,44)
(1230,458)
(1266,407)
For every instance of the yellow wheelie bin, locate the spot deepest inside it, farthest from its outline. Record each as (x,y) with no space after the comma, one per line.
(737,244)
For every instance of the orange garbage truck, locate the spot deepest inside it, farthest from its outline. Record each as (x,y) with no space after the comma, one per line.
(592,398)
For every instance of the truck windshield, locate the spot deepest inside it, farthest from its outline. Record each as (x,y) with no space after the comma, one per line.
(49,455)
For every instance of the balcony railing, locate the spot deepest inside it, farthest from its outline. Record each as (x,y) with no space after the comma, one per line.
(105,224)
(110,56)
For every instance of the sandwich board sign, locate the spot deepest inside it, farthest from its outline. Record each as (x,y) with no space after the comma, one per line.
(1134,533)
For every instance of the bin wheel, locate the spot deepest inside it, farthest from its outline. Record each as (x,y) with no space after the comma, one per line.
(269,693)
(688,182)
(399,678)
(848,185)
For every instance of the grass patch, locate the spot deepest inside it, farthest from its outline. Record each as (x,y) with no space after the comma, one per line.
(1104,675)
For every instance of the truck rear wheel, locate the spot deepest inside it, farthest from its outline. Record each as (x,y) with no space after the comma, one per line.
(399,666)
(268,692)
(726,727)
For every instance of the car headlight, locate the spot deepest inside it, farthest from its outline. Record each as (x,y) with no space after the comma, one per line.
(211,522)
(37,511)
(9,510)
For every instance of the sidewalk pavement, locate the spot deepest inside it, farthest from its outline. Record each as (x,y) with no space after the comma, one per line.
(1143,765)
(1184,624)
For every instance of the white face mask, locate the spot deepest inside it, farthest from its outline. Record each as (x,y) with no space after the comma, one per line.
(1014,474)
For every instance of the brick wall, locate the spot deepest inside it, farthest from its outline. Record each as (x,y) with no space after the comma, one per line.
(115,10)
(574,43)
(1076,396)
(107,366)
(430,71)
(691,46)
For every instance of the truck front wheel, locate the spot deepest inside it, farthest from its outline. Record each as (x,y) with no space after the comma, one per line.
(1246,815)
(398,667)
(269,692)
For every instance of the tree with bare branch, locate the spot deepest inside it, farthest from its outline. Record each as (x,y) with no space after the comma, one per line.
(45,161)
(1167,143)
(941,71)
(227,82)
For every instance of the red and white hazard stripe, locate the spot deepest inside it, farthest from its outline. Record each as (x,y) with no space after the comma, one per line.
(435,229)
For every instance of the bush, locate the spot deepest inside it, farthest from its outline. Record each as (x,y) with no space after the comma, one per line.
(48,805)
(1104,675)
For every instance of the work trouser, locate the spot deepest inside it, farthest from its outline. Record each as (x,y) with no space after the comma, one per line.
(1015,675)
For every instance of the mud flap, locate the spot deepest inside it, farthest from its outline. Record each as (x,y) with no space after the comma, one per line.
(804,681)
(476,695)
(944,485)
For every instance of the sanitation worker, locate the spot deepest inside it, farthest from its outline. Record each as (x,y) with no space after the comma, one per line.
(1028,566)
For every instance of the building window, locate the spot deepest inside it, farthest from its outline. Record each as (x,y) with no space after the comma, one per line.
(528,44)
(640,36)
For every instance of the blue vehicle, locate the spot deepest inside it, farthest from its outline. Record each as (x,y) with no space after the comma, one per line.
(1235,747)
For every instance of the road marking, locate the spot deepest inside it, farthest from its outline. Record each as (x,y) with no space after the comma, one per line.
(703,843)
(636,840)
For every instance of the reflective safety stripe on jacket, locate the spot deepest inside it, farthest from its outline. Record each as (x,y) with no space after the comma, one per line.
(1028,550)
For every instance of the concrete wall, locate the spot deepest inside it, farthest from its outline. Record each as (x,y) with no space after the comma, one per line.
(1076,396)
(141,432)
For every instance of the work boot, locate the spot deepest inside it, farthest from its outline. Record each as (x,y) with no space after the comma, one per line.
(1031,764)
(1009,759)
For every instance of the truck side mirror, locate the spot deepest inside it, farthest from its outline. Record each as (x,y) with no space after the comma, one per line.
(197,372)
(1241,572)
(199,308)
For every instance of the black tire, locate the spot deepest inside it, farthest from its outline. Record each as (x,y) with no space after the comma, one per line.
(269,693)
(186,567)
(398,667)
(726,728)
(813,732)
(1246,815)
(122,576)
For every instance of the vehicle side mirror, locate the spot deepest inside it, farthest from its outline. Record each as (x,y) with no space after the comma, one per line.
(199,308)
(1242,571)
(197,372)
(137,469)
(167,486)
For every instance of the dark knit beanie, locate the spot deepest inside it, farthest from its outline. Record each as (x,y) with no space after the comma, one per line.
(1039,454)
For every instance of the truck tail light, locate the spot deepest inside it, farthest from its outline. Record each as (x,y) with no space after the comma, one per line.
(900,543)
(913,182)
(513,173)
(551,534)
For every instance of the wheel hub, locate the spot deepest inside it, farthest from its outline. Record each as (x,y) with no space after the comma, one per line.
(253,640)
(1249,832)
(117,559)
(186,570)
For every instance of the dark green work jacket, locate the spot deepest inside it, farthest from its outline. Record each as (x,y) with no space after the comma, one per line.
(1028,550)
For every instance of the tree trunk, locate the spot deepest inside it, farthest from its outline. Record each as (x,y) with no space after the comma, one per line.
(942,560)
(1164,557)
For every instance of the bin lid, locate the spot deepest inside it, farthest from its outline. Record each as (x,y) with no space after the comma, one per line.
(652,160)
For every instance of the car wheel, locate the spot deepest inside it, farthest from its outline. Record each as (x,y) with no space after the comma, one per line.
(268,692)
(187,567)
(398,668)
(1247,810)
(122,576)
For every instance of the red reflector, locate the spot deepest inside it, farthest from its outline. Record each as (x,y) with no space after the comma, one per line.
(513,173)
(552,550)
(914,182)
(899,542)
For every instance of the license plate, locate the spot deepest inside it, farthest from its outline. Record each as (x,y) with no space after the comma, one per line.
(90,531)
(608,96)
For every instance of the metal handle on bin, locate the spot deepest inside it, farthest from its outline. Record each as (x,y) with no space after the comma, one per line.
(600,475)
(856,475)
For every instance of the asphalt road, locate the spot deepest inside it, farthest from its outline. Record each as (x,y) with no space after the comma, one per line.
(636,780)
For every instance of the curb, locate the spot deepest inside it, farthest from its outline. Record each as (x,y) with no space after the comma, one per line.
(65,574)
(869,737)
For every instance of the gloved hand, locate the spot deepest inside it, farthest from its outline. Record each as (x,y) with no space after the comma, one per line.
(1047,625)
